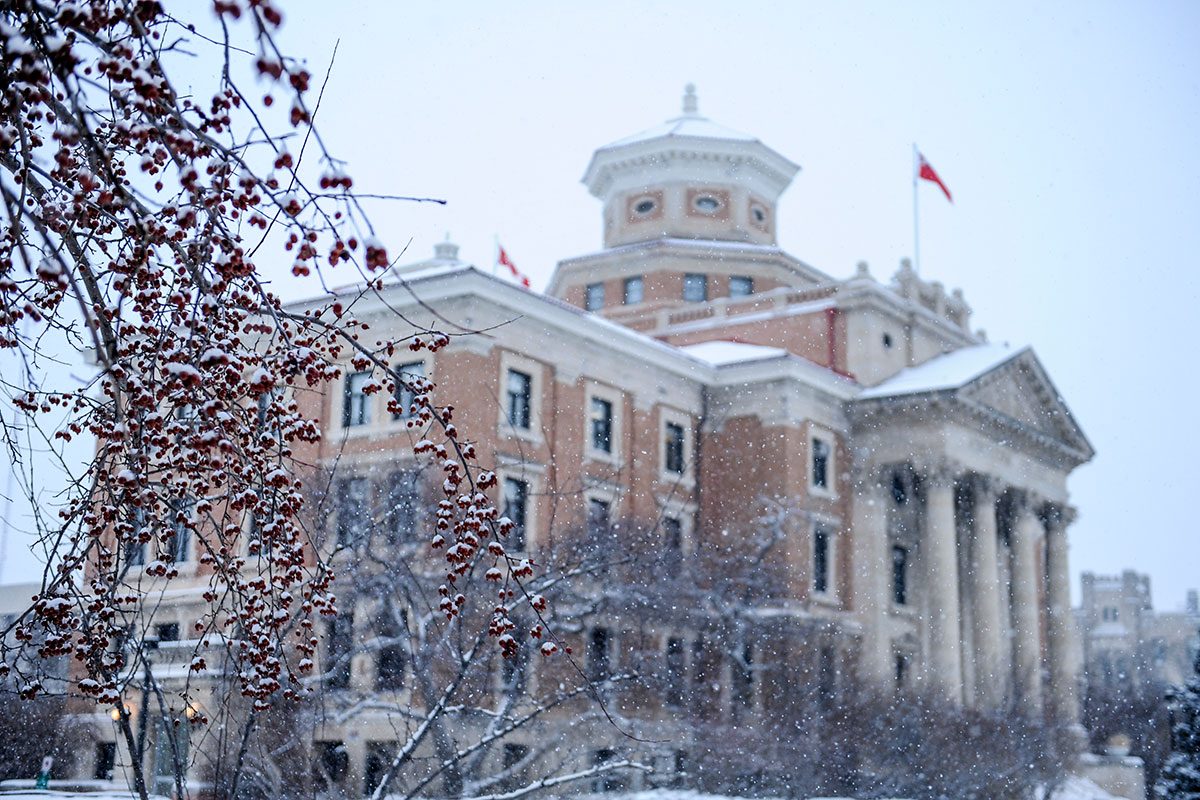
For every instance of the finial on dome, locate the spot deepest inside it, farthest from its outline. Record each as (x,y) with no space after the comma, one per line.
(447,250)
(690,105)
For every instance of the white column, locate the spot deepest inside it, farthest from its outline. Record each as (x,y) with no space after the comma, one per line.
(985,594)
(868,578)
(940,556)
(1026,648)
(1064,689)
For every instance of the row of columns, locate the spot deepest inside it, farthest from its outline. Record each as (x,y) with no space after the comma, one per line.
(996,665)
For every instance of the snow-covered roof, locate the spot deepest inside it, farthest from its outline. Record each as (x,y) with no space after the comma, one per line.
(689,125)
(949,371)
(720,353)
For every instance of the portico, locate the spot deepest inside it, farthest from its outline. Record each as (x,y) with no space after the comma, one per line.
(978,515)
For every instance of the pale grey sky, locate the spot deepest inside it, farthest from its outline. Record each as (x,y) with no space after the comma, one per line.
(1067,134)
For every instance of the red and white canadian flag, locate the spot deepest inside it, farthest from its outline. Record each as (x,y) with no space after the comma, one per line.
(504,261)
(926,172)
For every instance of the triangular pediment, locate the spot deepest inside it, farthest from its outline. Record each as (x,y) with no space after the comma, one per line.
(1018,394)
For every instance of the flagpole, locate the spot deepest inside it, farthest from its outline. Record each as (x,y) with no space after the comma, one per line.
(916,169)
(496,258)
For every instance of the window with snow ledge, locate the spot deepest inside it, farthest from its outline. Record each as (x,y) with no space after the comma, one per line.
(599,654)
(821,463)
(695,287)
(675,668)
(742,673)
(672,529)
(339,642)
(403,506)
(634,290)
(675,456)
(741,286)
(391,659)
(353,511)
(823,560)
(514,672)
(603,424)
(515,506)
(356,403)
(899,575)
(520,396)
(414,372)
(594,297)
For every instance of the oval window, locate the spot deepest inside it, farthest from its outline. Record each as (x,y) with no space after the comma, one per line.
(706,203)
(644,206)
(759,213)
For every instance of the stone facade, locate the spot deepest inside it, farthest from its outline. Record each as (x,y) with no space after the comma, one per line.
(925,470)
(1126,641)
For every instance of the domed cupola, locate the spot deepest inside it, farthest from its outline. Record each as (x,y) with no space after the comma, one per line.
(688,178)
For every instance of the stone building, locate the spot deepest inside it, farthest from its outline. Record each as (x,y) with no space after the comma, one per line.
(689,372)
(1125,641)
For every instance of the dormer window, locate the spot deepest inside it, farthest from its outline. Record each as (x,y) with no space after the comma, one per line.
(695,287)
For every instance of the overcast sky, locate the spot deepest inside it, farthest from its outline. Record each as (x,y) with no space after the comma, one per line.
(1067,133)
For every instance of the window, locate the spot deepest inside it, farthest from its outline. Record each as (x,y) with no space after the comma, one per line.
(520,391)
(673,452)
(741,286)
(379,758)
(827,672)
(887,341)
(356,408)
(821,546)
(899,575)
(901,670)
(106,760)
(405,397)
(601,413)
(597,519)
(634,290)
(334,762)
(644,206)
(820,464)
(516,508)
(594,297)
(607,781)
(353,512)
(743,678)
(676,667)
(672,546)
(389,666)
(514,754)
(598,661)
(758,213)
(135,553)
(695,288)
(513,671)
(179,542)
(402,506)
(339,641)
(167,631)
(706,204)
